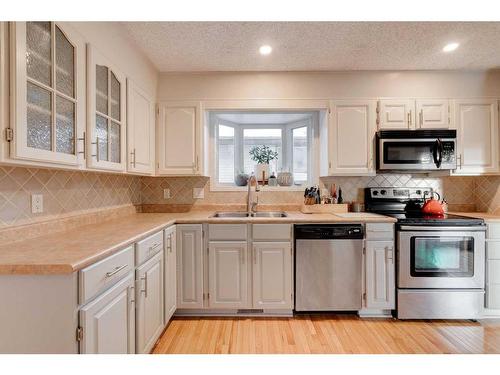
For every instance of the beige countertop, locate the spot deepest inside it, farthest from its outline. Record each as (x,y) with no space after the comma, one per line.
(71,250)
(479,215)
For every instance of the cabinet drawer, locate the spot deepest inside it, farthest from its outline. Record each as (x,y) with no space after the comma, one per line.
(493,231)
(493,276)
(148,247)
(379,231)
(105,273)
(272,232)
(227,232)
(493,249)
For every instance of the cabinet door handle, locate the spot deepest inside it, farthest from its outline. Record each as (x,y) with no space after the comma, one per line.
(84,139)
(145,290)
(115,271)
(409,119)
(459,157)
(389,254)
(133,157)
(421,117)
(169,242)
(96,143)
(132,293)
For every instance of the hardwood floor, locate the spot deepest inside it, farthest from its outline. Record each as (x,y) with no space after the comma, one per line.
(335,334)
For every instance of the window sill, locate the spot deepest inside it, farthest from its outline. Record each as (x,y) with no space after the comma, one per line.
(262,188)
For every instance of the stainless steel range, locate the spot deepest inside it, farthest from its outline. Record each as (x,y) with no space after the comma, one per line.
(440,272)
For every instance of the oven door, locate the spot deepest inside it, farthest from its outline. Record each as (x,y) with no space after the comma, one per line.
(441,257)
(416,154)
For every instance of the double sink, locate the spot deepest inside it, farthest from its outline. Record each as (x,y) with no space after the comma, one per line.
(222,215)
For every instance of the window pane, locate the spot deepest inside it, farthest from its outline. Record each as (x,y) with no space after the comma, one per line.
(115,97)
(65,67)
(39,52)
(226,154)
(299,154)
(101,125)
(114,140)
(101,85)
(39,117)
(65,126)
(262,137)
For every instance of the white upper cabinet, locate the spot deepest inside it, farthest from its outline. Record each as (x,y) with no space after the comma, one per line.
(410,114)
(179,139)
(394,114)
(106,89)
(48,93)
(477,136)
(352,133)
(140,130)
(433,114)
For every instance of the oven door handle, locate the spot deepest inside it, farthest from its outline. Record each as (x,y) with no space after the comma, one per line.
(437,152)
(425,228)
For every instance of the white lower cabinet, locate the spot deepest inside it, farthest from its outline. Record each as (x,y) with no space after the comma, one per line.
(189,266)
(170,271)
(227,274)
(108,322)
(380,275)
(272,275)
(149,299)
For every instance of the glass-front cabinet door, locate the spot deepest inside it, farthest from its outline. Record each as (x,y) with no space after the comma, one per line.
(106,113)
(48,82)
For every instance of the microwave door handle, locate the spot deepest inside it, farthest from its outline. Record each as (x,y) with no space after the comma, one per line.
(438,153)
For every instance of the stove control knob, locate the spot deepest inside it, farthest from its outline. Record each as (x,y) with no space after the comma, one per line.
(375,192)
(418,192)
(383,192)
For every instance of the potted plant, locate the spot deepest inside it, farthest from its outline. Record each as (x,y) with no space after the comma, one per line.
(262,155)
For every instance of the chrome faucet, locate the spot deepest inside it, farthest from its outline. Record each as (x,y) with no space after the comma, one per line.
(251,203)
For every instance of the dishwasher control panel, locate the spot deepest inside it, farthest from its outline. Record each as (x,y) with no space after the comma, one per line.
(329,231)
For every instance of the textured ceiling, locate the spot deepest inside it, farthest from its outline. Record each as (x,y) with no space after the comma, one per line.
(310,46)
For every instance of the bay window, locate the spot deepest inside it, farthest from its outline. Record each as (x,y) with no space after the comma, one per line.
(236,133)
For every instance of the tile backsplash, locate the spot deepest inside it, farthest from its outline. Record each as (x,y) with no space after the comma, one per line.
(64,193)
(457,190)
(68,193)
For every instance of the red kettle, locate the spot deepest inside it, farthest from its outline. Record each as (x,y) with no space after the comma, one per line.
(433,206)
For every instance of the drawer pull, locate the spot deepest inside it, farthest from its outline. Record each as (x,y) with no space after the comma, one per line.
(155,246)
(115,271)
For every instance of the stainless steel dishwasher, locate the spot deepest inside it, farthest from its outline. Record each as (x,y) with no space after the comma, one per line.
(328,267)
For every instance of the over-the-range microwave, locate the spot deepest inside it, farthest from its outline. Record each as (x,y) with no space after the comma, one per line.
(416,150)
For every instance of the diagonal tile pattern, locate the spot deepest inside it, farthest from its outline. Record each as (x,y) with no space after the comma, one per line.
(64,192)
(73,192)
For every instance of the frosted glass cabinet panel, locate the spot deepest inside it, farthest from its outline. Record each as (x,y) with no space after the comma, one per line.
(105,113)
(49,92)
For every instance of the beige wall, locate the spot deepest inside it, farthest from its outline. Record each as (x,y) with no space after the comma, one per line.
(323,85)
(110,38)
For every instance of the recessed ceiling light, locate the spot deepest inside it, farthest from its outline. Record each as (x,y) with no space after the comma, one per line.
(450,47)
(265,50)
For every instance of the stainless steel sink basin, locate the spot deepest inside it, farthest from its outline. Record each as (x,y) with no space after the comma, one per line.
(245,214)
(230,214)
(270,214)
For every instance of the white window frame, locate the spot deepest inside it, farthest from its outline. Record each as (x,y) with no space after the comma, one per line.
(287,149)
